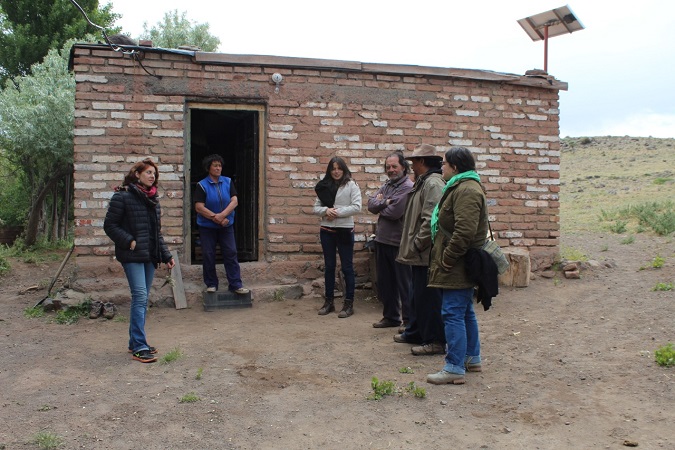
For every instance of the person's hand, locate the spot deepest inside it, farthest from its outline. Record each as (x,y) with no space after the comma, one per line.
(331,213)
(132,246)
(379,197)
(225,222)
(171,264)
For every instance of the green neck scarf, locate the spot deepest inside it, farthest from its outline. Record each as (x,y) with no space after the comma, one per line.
(469,175)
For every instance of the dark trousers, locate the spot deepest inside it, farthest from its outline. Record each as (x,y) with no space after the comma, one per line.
(426,324)
(333,242)
(393,283)
(224,237)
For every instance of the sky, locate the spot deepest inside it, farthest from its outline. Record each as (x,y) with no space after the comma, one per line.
(620,69)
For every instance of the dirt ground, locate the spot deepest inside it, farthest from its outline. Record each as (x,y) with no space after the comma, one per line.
(567,364)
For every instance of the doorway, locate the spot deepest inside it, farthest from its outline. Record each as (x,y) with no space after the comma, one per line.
(233,132)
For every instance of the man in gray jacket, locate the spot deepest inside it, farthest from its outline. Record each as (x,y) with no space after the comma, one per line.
(393,278)
(425,324)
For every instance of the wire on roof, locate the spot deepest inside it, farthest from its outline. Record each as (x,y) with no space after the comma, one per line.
(133,53)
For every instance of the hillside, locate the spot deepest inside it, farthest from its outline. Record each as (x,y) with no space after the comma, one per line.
(601,175)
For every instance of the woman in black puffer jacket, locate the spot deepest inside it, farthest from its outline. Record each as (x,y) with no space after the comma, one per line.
(133,222)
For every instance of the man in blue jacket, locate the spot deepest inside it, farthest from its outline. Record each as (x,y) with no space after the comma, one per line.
(215,199)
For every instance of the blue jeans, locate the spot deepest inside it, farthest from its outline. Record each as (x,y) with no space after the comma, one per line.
(224,237)
(139,276)
(340,241)
(461,329)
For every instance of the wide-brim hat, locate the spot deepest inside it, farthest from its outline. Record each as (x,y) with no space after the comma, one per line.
(424,151)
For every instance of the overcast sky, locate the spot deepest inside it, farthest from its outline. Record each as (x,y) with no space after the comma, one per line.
(620,68)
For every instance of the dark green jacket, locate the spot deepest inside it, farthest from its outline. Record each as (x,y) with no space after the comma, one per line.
(463,216)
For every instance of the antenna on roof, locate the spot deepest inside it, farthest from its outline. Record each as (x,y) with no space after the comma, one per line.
(550,24)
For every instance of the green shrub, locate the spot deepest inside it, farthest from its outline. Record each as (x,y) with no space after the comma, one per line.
(381,388)
(665,356)
(5,266)
(628,240)
(190,397)
(72,314)
(171,356)
(618,227)
(46,440)
(663,287)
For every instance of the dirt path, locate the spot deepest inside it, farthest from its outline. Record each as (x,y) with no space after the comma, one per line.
(568,364)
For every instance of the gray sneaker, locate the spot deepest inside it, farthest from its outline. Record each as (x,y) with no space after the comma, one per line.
(445,377)
(428,349)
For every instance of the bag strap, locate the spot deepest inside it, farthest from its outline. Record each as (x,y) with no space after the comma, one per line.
(487,214)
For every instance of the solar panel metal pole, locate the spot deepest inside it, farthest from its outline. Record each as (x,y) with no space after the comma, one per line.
(546,48)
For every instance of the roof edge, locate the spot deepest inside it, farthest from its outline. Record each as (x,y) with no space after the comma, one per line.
(540,80)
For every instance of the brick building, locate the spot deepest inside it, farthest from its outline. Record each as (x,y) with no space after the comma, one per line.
(277,121)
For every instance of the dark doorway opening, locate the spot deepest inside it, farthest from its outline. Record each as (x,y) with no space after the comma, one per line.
(234,135)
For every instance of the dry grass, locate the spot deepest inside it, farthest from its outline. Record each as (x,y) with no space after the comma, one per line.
(608,173)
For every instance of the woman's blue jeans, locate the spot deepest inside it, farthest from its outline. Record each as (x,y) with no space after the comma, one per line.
(461,329)
(342,243)
(139,276)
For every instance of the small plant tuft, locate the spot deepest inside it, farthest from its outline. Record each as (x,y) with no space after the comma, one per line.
(33,312)
(418,392)
(278,295)
(190,397)
(665,356)
(658,262)
(381,388)
(405,370)
(618,227)
(199,373)
(47,440)
(663,287)
(171,356)
(572,254)
(5,266)
(628,240)
(72,314)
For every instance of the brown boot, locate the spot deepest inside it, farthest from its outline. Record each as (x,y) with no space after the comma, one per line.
(347,309)
(328,307)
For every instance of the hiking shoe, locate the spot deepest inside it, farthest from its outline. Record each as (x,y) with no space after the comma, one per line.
(402,338)
(347,309)
(95,310)
(241,291)
(211,289)
(445,377)
(386,323)
(144,356)
(476,367)
(109,310)
(428,349)
(328,307)
(152,350)
(402,328)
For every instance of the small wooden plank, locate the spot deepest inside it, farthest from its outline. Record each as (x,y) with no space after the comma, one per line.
(177,287)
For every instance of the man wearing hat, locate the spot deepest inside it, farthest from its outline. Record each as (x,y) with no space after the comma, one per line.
(425,326)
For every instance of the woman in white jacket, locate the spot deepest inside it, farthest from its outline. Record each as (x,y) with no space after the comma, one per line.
(338,200)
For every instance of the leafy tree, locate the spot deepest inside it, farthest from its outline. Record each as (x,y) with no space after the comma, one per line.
(175,30)
(36,130)
(29,28)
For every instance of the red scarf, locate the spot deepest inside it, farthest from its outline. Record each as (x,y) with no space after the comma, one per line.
(149,192)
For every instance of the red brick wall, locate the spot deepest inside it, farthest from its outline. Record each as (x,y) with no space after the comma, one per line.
(123,114)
